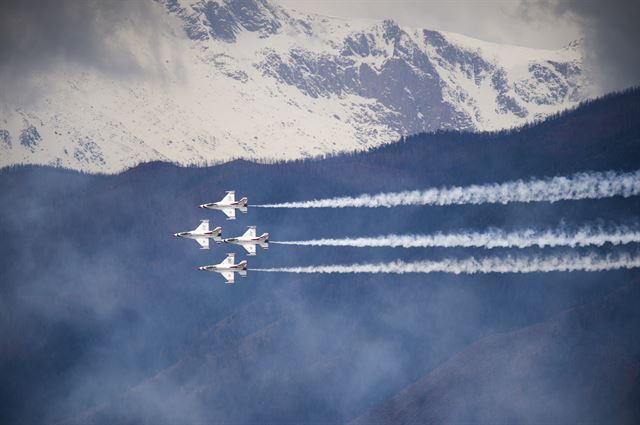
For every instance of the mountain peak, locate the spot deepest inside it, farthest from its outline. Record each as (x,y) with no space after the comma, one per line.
(258,81)
(223,19)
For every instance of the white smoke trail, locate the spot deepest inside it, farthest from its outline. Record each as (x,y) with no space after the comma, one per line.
(509,264)
(587,185)
(492,238)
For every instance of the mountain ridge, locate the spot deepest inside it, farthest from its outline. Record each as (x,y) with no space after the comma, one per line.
(529,375)
(108,298)
(251,79)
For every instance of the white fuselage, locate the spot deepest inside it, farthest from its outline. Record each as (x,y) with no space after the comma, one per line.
(249,243)
(243,241)
(221,206)
(227,268)
(224,268)
(197,235)
(228,205)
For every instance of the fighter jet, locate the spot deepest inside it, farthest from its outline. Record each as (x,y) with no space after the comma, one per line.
(228,205)
(202,234)
(227,268)
(249,240)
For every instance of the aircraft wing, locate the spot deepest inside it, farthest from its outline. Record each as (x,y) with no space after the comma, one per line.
(229,198)
(228,260)
(204,242)
(230,213)
(203,227)
(250,233)
(228,276)
(251,249)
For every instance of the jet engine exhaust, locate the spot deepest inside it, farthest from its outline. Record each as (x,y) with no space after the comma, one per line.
(491,238)
(585,185)
(569,262)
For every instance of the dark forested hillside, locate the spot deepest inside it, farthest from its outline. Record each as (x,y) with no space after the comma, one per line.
(579,366)
(104,318)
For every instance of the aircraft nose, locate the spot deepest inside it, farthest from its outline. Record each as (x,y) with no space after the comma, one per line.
(175,235)
(201,206)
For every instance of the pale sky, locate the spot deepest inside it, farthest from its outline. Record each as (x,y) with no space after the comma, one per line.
(610,29)
(33,33)
(524,23)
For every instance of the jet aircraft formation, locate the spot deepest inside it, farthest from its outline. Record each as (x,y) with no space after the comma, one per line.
(249,240)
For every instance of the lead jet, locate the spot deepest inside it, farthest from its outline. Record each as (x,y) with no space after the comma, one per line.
(202,234)
(228,205)
(227,268)
(249,240)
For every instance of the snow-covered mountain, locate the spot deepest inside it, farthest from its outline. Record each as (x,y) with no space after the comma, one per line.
(251,79)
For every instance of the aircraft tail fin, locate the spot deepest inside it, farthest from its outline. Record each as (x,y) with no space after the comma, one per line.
(264,241)
(217,232)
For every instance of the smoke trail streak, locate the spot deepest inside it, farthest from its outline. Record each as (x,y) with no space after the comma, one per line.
(509,264)
(492,238)
(587,185)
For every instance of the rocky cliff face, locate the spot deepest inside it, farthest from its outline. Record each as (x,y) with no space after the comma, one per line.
(250,79)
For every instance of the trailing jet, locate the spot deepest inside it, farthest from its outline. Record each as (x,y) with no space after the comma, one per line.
(249,240)
(202,234)
(228,205)
(227,268)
